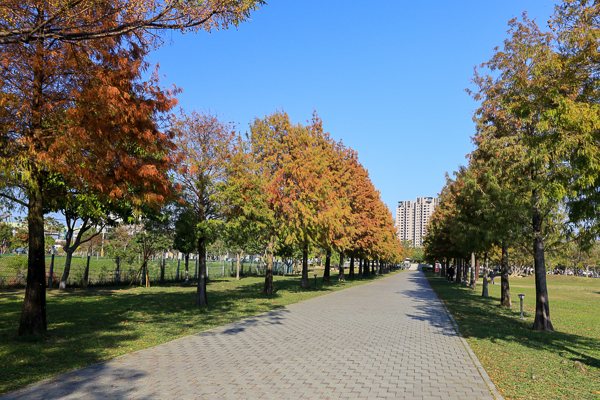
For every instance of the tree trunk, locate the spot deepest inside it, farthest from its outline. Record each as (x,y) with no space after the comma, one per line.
(62,285)
(187,271)
(366,268)
(542,307)
(360,267)
(268,289)
(341,277)
(456,277)
(473,280)
(201,299)
(505,300)
(145,273)
(33,314)
(237,269)
(162,268)
(305,284)
(486,261)
(380,267)
(86,272)
(351,271)
(458,270)
(327,270)
(465,273)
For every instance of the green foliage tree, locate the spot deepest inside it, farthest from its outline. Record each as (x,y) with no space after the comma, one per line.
(155,236)
(94,212)
(185,238)
(6,238)
(49,242)
(514,129)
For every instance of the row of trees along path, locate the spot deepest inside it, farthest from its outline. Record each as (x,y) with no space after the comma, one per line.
(532,180)
(82,132)
(283,187)
(76,116)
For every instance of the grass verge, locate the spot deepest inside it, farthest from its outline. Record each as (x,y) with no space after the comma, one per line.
(522,363)
(88,326)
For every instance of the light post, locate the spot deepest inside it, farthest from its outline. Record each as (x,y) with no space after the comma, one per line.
(521,296)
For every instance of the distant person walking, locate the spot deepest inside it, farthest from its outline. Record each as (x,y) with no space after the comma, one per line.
(450,274)
(492,276)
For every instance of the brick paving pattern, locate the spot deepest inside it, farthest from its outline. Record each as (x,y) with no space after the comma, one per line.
(389,339)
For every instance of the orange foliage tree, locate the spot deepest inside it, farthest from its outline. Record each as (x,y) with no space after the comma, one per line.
(205,145)
(308,192)
(374,237)
(337,220)
(71,103)
(299,189)
(288,185)
(77,115)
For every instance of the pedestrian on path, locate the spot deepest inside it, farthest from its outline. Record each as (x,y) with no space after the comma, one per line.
(450,273)
(492,276)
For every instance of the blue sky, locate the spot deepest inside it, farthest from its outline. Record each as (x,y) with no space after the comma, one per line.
(386,77)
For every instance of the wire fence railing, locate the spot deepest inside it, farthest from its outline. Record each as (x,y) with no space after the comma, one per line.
(112,271)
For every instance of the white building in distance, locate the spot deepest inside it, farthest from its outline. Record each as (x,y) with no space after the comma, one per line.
(412,218)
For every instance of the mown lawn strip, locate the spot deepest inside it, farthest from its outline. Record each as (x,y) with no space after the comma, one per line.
(522,363)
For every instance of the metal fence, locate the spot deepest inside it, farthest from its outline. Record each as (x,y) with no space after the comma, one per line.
(111,271)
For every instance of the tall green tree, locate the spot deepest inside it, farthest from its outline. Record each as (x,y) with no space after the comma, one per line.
(577,109)
(517,129)
(486,218)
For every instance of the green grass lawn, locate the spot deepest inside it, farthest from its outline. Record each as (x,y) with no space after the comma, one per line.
(90,325)
(525,364)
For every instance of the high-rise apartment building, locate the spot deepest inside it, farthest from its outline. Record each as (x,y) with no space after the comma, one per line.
(412,218)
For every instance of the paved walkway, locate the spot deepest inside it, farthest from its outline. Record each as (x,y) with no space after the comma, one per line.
(388,339)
